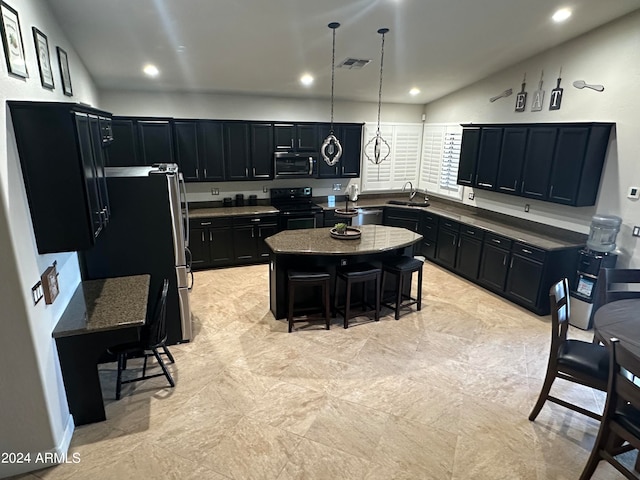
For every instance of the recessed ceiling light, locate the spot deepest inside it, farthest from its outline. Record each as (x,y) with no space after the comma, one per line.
(414,91)
(561,15)
(306,79)
(150,70)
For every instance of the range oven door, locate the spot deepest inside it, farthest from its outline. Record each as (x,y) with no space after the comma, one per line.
(298,220)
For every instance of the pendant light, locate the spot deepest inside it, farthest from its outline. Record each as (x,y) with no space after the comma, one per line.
(379,143)
(331,149)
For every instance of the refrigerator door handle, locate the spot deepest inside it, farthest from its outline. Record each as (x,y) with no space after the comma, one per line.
(183,196)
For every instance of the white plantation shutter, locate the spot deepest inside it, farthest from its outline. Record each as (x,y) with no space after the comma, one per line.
(402,165)
(440,157)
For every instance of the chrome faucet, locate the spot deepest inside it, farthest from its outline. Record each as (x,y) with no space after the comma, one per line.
(413,190)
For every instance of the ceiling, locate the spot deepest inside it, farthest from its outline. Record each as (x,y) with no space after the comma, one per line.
(262,47)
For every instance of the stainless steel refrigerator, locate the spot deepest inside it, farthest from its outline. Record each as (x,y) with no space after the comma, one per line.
(147,233)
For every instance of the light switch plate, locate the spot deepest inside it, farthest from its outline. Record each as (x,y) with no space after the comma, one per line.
(36,293)
(634,193)
(636,231)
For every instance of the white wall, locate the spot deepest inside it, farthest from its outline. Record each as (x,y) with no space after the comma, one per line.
(607,56)
(34,416)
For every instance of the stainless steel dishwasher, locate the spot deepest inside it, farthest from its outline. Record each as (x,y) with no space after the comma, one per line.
(368,216)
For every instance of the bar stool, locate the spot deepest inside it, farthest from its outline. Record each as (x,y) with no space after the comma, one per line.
(401,266)
(358,273)
(309,279)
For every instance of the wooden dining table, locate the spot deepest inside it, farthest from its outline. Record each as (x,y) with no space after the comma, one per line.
(621,320)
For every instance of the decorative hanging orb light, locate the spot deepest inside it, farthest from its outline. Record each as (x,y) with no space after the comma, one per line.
(381,148)
(331,149)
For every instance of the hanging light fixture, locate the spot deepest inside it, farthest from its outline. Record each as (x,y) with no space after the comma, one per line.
(331,149)
(379,143)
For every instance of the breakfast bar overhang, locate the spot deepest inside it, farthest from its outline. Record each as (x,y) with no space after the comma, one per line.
(317,249)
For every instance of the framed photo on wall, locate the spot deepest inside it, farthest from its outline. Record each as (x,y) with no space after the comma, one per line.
(12,41)
(63,61)
(44,59)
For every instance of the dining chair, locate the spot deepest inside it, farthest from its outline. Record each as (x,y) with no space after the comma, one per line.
(580,362)
(152,339)
(621,417)
(609,288)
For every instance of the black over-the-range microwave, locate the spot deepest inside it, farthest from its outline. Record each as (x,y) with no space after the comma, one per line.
(295,164)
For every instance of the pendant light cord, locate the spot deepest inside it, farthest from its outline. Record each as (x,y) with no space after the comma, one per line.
(382,31)
(333,74)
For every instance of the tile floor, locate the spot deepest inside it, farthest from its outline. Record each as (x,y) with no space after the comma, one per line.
(440,394)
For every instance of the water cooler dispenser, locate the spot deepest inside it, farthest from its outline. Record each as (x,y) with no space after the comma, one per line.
(600,253)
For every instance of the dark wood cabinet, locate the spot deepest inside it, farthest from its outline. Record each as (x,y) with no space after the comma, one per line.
(468,155)
(61,156)
(555,162)
(248,237)
(488,157)
(429,232)
(494,262)
(537,162)
(469,251)
(447,243)
(299,137)
(526,268)
(211,243)
(514,143)
(401,217)
(236,150)
(261,151)
(199,150)
(140,141)
(350,137)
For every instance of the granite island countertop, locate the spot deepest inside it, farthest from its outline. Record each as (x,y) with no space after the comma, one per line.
(105,304)
(318,241)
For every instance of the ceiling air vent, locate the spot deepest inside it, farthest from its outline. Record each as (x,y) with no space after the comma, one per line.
(353,63)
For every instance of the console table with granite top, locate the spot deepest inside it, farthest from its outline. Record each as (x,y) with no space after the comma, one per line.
(317,249)
(101,313)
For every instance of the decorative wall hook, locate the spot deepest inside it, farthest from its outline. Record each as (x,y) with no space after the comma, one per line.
(580,84)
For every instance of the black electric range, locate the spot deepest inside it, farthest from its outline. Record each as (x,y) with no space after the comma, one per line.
(296,208)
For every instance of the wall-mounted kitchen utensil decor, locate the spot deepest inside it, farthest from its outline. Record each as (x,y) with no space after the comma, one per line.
(331,149)
(556,94)
(44,59)
(63,62)
(538,96)
(378,142)
(521,97)
(580,84)
(12,41)
(504,94)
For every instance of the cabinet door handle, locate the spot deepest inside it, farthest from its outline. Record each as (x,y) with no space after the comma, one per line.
(205,173)
(511,265)
(203,236)
(255,219)
(299,143)
(495,240)
(253,170)
(202,224)
(484,184)
(454,240)
(342,170)
(210,236)
(471,232)
(515,185)
(522,187)
(259,233)
(292,143)
(504,260)
(253,235)
(476,178)
(246,171)
(197,176)
(551,191)
(459,240)
(524,250)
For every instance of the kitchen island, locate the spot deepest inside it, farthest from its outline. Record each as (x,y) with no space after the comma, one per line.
(317,249)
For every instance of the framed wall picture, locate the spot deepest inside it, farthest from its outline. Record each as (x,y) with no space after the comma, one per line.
(44,59)
(63,61)
(12,41)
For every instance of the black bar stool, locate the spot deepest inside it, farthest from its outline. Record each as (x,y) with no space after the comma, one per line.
(401,266)
(358,273)
(309,279)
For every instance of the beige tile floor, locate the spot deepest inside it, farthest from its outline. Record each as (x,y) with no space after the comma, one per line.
(440,394)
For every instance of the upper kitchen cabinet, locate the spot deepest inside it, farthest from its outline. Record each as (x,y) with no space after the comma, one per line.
(63,172)
(468,155)
(560,163)
(141,141)
(199,149)
(261,151)
(350,137)
(299,137)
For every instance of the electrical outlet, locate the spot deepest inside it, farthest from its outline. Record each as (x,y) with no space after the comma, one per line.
(526,207)
(636,231)
(36,293)
(265,189)
(337,187)
(472,195)
(215,191)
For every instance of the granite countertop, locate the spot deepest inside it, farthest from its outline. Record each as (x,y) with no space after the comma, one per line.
(318,241)
(231,211)
(105,304)
(532,233)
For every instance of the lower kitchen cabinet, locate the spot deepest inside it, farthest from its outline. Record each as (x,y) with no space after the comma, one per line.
(469,251)
(211,243)
(494,263)
(248,237)
(429,232)
(524,280)
(402,217)
(447,242)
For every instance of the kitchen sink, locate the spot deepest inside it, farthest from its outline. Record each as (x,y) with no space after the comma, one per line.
(408,203)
